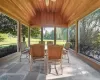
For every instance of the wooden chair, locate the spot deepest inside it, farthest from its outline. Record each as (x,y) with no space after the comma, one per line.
(49,42)
(66,50)
(55,56)
(37,53)
(67,45)
(24,50)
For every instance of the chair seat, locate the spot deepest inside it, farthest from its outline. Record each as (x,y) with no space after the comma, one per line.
(28,48)
(38,59)
(53,61)
(25,51)
(65,51)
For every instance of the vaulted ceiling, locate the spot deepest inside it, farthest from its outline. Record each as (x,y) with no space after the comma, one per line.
(48,12)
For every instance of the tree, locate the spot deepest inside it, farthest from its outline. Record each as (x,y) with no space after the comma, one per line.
(8,25)
(47,35)
(2,37)
(52,35)
(34,31)
(90,32)
(61,33)
(72,36)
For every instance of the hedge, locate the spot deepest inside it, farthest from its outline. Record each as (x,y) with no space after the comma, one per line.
(4,51)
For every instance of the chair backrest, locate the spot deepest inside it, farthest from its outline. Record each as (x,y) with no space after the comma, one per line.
(49,42)
(67,45)
(55,52)
(23,46)
(42,42)
(37,50)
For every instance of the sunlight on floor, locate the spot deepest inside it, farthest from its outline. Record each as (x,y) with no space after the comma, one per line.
(70,70)
(56,77)
(67,72)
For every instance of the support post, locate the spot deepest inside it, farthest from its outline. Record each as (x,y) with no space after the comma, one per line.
(67,35)
(18,36)
(76,38)
(54,35)
(29,32)
(41,34)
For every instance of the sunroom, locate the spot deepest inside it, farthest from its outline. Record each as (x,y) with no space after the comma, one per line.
(38,22)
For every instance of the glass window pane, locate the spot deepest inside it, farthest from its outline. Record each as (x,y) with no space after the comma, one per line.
(61,36)
(48,34)
(71,35)
(89,35)
(8,31)
(35,35)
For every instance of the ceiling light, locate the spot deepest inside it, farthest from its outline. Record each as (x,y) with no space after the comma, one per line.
(53,0)
(47,2)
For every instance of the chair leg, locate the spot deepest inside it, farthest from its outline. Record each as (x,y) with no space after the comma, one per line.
(61,67)
(30,64)
(49,68)
(20,57)
(56,69)
(29,58)
(68,57)
(45,66)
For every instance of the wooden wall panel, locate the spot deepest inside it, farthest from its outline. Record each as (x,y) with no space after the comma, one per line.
(47,18)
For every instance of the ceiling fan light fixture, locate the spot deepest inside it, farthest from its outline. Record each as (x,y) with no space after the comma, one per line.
(53,0)
(47,2)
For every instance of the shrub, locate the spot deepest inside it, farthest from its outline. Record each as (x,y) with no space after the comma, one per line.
(2,37)
(7,50)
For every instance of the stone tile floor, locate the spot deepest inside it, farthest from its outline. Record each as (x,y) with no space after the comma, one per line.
(75,70)
(21,71)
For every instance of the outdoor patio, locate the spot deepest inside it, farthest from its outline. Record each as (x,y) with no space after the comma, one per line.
(75,70)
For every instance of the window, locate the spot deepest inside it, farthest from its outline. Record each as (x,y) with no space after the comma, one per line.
(89,35)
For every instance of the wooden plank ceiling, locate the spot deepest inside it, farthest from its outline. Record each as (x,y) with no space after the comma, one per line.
(48,12)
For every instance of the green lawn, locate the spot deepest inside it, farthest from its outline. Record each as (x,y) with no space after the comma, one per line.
(10,41)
